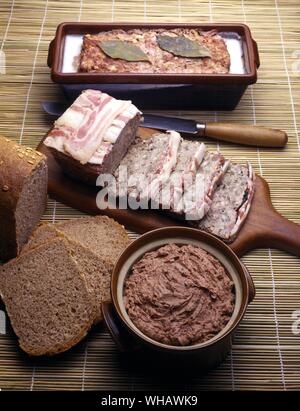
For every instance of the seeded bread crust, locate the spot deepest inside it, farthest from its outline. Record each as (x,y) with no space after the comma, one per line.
(30,316)
(17,165)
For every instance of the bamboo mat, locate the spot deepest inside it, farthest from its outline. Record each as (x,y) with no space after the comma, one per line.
(266,352)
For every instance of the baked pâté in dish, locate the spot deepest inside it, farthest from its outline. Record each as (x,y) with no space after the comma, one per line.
(178,50)
(182,178)
(179,295)
(98,135)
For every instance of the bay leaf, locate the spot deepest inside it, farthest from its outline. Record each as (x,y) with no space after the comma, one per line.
(118,49)
(182,46)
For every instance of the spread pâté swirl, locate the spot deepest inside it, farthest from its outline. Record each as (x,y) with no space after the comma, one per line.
(179,295)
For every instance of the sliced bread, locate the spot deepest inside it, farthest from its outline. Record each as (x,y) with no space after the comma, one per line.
(44,232)
(100,234)
(97,276)
(96,272)
(47,299)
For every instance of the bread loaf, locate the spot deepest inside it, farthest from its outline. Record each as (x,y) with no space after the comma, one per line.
(23,193)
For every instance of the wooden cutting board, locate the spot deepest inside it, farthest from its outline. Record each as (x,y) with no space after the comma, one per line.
(264,226)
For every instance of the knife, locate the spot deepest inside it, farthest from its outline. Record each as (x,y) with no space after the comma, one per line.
(235,133)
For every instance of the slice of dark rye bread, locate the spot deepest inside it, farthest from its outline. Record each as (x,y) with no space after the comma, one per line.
(47,299)
(23,195)
(102,235)
(96,272)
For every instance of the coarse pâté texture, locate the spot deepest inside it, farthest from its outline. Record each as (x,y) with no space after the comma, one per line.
(93,59)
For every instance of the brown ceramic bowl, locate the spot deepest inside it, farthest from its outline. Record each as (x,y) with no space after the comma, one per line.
(129,338)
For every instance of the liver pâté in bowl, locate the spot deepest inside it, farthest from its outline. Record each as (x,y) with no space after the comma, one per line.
(131,336)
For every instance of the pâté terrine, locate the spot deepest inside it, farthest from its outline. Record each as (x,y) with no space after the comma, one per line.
(162,80)
(180,177)
(93,135)
(179,295)
(96,137)
(231,202)
(177,50)
(146,167)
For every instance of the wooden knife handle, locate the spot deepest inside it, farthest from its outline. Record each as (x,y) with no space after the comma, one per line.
(246,134)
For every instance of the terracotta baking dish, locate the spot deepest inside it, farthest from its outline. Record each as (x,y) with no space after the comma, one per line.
(169,91)
(131,340)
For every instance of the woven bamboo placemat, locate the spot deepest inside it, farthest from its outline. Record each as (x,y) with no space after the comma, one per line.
(266,349)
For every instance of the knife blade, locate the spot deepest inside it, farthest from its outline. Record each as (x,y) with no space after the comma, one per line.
(171,123)
(231,132)
(150,120)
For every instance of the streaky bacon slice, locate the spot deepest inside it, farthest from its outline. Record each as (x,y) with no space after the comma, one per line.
(197,199)
(231,202)
(189,157)
(92,120)
(91,132)
(162,169)
(146,165)
(105,148)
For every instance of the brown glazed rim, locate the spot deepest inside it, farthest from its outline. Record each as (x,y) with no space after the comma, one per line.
(56,49)
(247,290)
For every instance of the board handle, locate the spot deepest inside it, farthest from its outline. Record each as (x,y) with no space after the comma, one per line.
(278,232)
(265,227)
(283,234)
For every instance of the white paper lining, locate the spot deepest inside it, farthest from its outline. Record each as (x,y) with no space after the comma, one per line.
(73,43)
